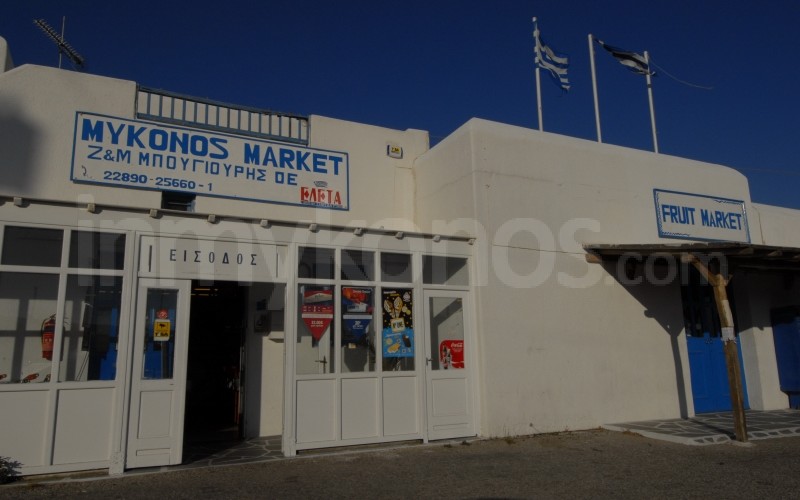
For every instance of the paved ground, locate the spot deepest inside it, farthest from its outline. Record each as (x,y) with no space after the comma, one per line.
(715,428)
(709,428)
(593,464)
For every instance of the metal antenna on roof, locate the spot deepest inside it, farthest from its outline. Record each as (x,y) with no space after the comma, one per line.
(63,47)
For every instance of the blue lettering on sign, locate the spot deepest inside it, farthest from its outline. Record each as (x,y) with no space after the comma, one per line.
(143,155)
(291,159)
(701,217)
(718,218)
(676,214)
(158,139)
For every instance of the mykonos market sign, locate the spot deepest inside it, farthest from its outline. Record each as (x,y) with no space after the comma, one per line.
(143,155)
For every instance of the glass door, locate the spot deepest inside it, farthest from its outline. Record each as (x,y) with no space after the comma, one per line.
(448,366)
(159,373)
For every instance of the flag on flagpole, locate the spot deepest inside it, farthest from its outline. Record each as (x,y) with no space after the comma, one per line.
(631,60)
(553,62)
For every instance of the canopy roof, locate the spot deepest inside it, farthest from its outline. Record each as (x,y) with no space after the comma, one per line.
(738,255)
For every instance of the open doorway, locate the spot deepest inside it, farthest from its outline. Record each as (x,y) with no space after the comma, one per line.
(214,389)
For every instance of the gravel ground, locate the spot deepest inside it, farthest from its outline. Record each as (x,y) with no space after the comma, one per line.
(593,464)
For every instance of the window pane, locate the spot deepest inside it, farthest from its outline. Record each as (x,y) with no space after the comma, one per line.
(97,250)
(358,332)
(358,265)
(447,332)
(28,304)
(397,337)
(396,267)
(315,350)
(444,270)
(316,263)
(91,328)
(159,333)
(30,246)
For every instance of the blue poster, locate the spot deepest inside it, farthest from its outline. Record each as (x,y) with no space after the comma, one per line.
(398,324)
(357,308)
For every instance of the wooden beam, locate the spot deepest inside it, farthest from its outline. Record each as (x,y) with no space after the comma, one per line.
(719,282)
(593,258)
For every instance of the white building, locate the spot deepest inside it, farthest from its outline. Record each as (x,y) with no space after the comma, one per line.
(172,267)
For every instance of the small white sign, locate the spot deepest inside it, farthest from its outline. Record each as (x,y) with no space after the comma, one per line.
(394,151)
(168,257)
(700,217)
(728,334)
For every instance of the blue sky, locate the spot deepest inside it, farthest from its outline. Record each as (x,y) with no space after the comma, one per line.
(434,64)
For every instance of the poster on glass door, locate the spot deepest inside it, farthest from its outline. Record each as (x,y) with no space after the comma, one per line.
(398,324)
(357,312)
(317,310)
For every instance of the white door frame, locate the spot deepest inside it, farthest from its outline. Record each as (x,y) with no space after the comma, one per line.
(450,392)
(155,434)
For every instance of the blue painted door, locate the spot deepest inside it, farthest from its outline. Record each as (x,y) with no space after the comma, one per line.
(709,374)
(786,335)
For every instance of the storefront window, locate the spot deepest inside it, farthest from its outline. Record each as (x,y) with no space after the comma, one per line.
(397,335)
(438,270)
(358,331)
(28,327)
(30,246)
(396,267)
(315,335)
(315,263)
(91,328)
(97,250)
(88,326)
(358,265)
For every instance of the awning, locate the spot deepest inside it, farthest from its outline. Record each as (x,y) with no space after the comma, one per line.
(737,255)
(700,255)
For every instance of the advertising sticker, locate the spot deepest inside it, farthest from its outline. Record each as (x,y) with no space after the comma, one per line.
(451,354)
(398,325)
(161,326)
(357,307)
(317,310)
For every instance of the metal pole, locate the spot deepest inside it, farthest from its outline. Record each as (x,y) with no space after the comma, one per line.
(594,89)
(63,29)
(538,81)
(650,98)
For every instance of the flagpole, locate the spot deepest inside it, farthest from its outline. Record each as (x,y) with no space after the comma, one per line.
(650,98)
(538,80)
(594,90)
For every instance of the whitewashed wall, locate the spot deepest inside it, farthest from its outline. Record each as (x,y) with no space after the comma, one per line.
(779,226)
(564,344)
(37,115)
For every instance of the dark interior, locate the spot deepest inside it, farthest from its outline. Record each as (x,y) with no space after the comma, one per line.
(214,382)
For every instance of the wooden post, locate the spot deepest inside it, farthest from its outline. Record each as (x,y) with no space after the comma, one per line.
(719,282)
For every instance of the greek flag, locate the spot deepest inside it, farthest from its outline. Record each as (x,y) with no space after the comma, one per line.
(631,60)
(553,62)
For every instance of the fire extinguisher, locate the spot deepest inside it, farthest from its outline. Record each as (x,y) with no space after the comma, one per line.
(48,332)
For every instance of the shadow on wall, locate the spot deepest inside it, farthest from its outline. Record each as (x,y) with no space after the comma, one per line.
(18,142)
(760,293)
(661,302)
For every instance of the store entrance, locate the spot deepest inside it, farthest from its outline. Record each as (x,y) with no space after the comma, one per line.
(707,366)
(214,388)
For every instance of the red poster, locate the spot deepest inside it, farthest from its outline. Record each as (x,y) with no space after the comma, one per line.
(451,354)
(317,311)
